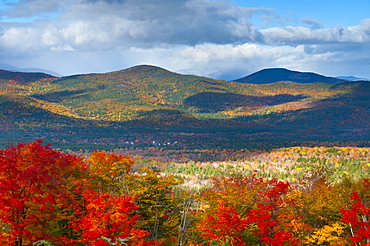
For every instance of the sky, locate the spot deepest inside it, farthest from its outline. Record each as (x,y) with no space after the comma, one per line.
(221,39)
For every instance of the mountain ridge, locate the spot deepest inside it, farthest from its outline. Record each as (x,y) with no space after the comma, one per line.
(11,68)
(24,77)
(351,78)
(147,100)
(272,75)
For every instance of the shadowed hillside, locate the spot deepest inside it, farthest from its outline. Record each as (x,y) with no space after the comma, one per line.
(211,102)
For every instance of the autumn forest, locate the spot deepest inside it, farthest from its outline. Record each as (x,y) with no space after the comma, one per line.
(144,156)
(55,198)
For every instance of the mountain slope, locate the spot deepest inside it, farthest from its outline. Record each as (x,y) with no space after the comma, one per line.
(137,92)
(272,75)
(347,111)
(127,94)
(131,93)
(151,100)
(22,117)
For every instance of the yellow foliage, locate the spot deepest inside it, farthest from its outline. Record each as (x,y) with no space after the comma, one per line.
(109,169)
(328,235)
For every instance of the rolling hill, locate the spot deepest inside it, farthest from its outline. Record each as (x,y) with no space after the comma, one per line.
(146,102)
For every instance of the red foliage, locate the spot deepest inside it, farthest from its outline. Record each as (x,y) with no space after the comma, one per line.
(32,183)
(108,216)
(48,195)
(224,223)
(272,224)
(358,219)
(265,215)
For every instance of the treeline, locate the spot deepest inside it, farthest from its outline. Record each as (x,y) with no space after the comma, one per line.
(52,198)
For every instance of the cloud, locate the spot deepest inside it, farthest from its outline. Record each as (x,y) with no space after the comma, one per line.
(29,8)
(366,26)
(232,61)
(180,22)
(78,36)
(304,36)
(314,24)
(223,61)
(107,24)
(19,39)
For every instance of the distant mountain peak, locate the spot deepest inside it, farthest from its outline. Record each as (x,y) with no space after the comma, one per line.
(147,68)
(24,77)
(352,78)
(272,75)
(10,68)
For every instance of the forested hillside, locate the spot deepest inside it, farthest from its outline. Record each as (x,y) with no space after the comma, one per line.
(146,100)
(192,160)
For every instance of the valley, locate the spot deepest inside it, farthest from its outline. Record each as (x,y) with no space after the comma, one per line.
(133,105)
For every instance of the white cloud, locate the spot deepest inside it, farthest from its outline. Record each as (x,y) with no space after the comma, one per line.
(62,48)
(94,24)
(215,59)
(366,26)
(50,37)
(235,61)
(301,35)
(100,25)
(209,36)
(20,39)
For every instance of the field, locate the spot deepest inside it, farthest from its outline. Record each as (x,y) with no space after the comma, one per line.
(293,164)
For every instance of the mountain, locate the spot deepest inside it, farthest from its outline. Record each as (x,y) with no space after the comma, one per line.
(272,75)
(11,68)
(351,78)
(22,77)
(145,103)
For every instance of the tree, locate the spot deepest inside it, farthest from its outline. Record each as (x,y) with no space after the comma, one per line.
(109,170)
(111,217)
(357,217)
(272,220)
(33,190)
(51,197)
(224,223)
(159,208)
(328,235)
(260,203)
